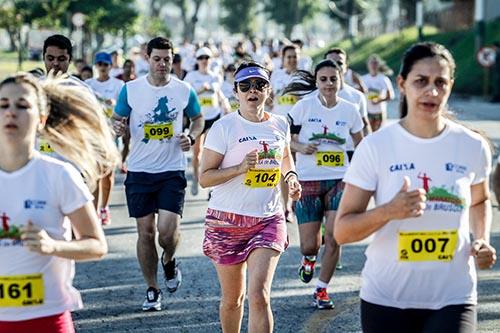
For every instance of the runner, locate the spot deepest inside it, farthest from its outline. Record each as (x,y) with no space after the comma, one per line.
(42,200)
(213,103)
(177,69)
(283,103)
(155,183)
(228,87)
(320,126)
(87,73)
(115,63)
(107,89)
(128,73)
(420,273)
(57,54)
(379,90)
(245,154)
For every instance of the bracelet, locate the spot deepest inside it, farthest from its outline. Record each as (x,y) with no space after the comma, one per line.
(290,173)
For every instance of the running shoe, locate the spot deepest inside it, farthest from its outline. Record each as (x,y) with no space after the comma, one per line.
(105,216)
(322,300)
(173,275)
(306,270)
(339,265)
(153,300)
(194,188)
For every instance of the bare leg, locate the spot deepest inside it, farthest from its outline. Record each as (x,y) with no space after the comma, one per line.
(232,282)
(169,236)
(146,249)
(331,253)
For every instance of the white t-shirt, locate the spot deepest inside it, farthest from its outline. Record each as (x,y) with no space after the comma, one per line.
(43,191)
(233,136)
(151,109)
(357,98)
(209,100)
(282,104)
(378,86)
(141,67)
(446,166)
(115,71)
(328,127)
(228,91)
(109,89)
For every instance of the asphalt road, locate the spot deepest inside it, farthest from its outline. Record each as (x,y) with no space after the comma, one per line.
(113,288)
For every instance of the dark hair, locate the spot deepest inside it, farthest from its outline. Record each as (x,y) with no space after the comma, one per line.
(298,42)
(129,61)
(304,82)
(286,48)
(418,52)
(230,68)
(59,41)
(336,50)
(87,68)
(177,58)
(247,64)
(159,43)
(79,60)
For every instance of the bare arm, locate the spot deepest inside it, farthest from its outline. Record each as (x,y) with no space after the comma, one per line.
(357,80)
(224,103)
(197,125)
(496,183)
(354,222)
(89,243)
(119,124)
(357,137)
(287,165)
(211,174)
(303,148)
(367,129)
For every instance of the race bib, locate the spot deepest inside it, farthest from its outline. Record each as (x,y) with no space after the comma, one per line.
(438,245)
(158,131)
(256,178)
(21,290)
(330,158)
(108,111)
(206,101)
(287,100)
(235,105)
(44,147)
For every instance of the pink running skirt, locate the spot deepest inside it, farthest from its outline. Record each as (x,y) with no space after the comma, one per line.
(229,238)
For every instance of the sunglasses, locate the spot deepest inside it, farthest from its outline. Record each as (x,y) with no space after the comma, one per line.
(259,85)
(203,57)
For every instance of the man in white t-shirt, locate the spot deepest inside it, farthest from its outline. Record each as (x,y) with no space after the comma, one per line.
(154,105)
(107,89)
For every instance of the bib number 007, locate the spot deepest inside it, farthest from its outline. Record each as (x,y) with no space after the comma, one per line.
(427,245)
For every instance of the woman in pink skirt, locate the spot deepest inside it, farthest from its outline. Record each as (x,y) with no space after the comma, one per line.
(245,155)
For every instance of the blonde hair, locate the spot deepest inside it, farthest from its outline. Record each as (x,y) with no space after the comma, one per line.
(76,127)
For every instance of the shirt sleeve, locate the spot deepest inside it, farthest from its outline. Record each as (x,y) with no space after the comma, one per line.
(363,108)
(193,107)
(390,89)
(362,171)
(483,164)
(122,108)
(357,124)
(216,138)
(73,192)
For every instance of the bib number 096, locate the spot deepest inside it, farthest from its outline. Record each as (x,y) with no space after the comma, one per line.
(330,158)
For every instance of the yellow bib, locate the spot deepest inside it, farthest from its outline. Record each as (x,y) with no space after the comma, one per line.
(287,100)
(437,245)
(158,131)
(206,101)
(256,178)
(21,290)
(330,158)
(44,147)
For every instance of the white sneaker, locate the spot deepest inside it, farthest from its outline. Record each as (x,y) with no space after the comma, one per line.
(194,188)
(173,278)
(153,300)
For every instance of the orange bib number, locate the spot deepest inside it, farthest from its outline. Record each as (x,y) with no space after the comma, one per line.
(436,245)
(158,131)
(256,178)
(21,290)
(330,158)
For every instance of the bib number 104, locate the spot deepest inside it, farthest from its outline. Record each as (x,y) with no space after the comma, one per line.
(262,178)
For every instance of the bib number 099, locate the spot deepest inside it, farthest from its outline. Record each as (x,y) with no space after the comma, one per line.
(158,132)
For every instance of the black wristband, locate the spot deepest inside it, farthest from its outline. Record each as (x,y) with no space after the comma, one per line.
(191,139)
(288,174)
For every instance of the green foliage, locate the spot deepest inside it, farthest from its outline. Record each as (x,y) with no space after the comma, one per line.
(469,74)
(239,17)
(290,13)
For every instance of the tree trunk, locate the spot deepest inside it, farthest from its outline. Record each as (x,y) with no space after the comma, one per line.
(12,39)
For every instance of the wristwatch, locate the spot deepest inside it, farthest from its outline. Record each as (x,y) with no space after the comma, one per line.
(191,139)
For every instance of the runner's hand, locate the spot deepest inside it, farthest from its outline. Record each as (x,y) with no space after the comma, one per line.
(37,240)
(119,126)
(406,203)
(294,188)
(250,161)
(485,254)
(310,148)
(184,142)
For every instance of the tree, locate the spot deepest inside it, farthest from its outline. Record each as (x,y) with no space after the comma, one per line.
(289,13)
(239,16)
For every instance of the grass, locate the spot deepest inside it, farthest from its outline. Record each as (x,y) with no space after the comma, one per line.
(8,64)
(469,74)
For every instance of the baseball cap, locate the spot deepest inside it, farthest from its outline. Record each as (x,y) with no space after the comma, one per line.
(103,57)
(203,51)
(251,72)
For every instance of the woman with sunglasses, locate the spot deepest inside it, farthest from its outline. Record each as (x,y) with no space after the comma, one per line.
(212,101)
(320,126)
(246,154)
(429,178)
(42,200)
